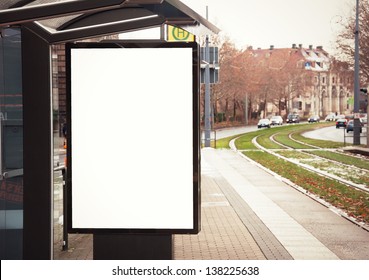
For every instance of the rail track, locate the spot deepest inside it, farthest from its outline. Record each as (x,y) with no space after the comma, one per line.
(315,161)
(334,165)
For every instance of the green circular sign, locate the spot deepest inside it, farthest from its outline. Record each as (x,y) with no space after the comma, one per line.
(180,34)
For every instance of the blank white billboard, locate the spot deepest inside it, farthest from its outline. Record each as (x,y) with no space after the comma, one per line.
(132,144)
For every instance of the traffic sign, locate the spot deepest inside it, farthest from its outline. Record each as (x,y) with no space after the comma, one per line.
(179,34)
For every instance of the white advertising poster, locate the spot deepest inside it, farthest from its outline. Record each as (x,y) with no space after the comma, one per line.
(132,138)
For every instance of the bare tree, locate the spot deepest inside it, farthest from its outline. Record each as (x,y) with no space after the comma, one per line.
(345,41)
(224,92)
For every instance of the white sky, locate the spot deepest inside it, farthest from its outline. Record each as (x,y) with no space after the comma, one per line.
(261,23)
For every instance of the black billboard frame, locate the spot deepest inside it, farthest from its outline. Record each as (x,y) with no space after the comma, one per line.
(195,141)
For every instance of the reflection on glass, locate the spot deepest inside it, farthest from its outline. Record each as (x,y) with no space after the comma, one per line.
(11,148)
(59,125)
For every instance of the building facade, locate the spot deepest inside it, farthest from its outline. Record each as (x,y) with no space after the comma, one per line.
(316,83)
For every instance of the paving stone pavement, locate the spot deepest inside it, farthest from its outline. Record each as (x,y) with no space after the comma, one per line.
(223,234)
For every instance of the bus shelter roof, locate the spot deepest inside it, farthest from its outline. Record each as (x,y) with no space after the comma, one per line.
(69,20)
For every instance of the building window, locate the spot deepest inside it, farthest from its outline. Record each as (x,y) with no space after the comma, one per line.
(297,105)
(323,80)
(333,80)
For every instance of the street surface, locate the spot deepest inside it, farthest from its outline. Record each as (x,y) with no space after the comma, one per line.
(333,134)
(226,132)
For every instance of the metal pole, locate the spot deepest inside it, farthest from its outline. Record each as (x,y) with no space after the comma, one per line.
(65,246)
(247,109)
(356,81)
(367,124)
(207,91)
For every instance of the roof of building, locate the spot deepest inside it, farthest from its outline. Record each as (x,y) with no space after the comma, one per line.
(315,59)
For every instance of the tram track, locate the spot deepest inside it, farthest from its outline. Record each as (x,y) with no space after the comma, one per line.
(313,169)
(285,148)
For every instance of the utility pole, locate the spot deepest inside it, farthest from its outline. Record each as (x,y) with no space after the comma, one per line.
(356,81)
(247,109)
(207,110)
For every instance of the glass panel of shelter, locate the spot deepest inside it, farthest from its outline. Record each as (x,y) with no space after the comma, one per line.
(11,148)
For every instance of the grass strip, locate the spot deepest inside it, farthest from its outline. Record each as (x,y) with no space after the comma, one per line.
(223,143)
(286,140)
(346,159)
(245,141)
(354,202)
(342,171)
(265,141)
(317,142)
(294,155)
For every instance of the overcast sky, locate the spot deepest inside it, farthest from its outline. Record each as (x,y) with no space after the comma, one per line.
(261,23)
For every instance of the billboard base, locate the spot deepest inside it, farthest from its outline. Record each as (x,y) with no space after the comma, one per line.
(132,247)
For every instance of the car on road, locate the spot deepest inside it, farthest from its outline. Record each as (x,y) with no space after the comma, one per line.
(341,123)
(264,123)
(350,126)
(314,118)
(276,120)
(330,118)
(293,118)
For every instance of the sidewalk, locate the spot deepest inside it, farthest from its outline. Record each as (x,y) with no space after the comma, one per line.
(248,213)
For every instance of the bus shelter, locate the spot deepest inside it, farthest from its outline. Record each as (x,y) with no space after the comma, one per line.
(27,227)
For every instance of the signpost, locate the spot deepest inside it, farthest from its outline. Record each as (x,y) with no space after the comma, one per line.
(356,79)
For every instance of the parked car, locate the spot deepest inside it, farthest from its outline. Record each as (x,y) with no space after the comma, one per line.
(276,120)
(350,126)
(264,123)
(314,118)
(341,123)
(293,118)
(330,118)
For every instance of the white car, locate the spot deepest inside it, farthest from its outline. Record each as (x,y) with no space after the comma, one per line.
(264,123)
(330,117)
(276,120)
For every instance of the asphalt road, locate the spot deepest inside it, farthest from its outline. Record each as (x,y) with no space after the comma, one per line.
(226,132)
(332,133)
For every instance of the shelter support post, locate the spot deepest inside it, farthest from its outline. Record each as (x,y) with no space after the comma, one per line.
(37,217)
(207,110)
